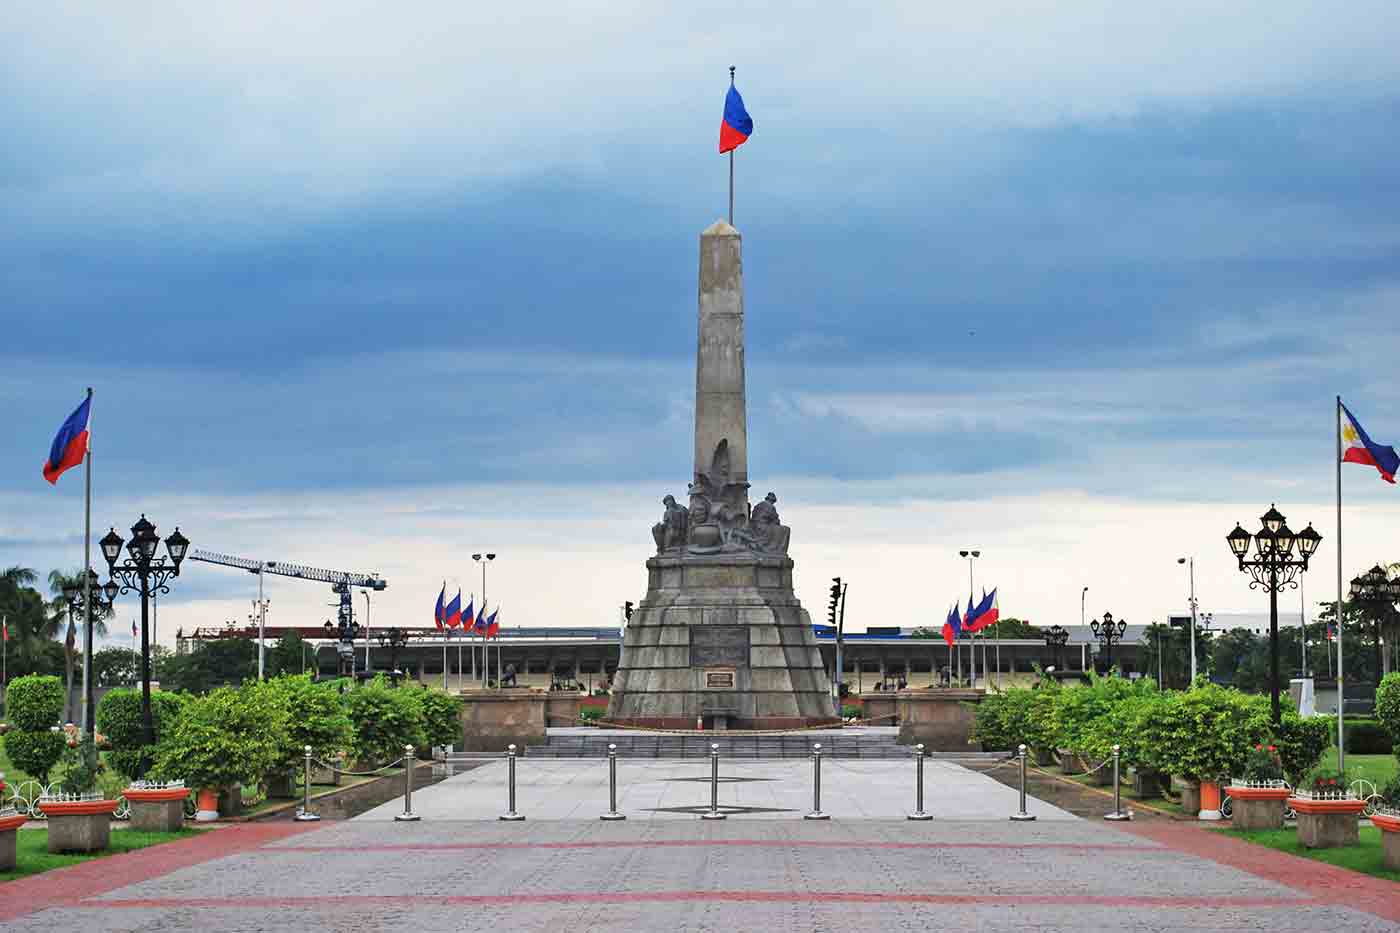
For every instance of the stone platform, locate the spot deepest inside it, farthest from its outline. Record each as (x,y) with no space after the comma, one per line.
(721,639)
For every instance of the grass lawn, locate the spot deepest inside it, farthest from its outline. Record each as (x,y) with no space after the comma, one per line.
(33,856)
(1365,858)
(1378,769)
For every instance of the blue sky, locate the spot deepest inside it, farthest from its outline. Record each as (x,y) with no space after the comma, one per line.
(374,288)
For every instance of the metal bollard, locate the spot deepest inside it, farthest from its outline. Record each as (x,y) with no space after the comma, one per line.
(510,815)
(612,813)
(817,813)
(304,815)
(713,813)
(1021,816)
(1117,815)
(919,813)
(407,816)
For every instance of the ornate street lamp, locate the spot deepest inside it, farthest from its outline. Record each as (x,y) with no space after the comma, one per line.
(345,631)
(1056,638)
(1376,595)
(1275,566)
(147,574)
(101,597)
(1108,631)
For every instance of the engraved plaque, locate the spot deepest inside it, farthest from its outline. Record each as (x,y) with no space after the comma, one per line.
(719,679)
(719,646)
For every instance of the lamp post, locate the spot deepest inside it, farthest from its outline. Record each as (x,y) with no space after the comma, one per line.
(1273,568)
(1108,630)
(1191,598)
(101,597)
(345,631)
(143,572)
(392,638)
(485,645)
(1376,594)
(970,556)
(1056,637)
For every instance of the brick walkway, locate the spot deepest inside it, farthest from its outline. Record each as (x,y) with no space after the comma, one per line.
(741,874)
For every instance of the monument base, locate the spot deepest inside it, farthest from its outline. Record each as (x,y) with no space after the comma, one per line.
(721,641)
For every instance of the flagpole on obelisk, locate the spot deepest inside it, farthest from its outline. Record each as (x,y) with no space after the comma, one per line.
(731,163)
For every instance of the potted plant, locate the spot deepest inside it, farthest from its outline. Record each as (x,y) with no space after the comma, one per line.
(1199,735)
(157,806)
(1328,813)
(10,822)
(223,739)
(1259,793)
(1387,820)
(80,817)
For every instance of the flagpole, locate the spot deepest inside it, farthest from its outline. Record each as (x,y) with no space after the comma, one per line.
(731,163)
(87,580)
(444,658)
(1341,690)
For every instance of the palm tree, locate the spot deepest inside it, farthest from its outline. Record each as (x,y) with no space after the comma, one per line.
(23,609)
(59,612)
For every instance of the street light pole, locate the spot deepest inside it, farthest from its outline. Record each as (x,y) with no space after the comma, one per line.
(971,600)
(486,645)
(368,669)
(1191,566)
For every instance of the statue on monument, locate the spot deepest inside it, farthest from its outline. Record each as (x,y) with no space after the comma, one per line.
(770,535)
(670,532)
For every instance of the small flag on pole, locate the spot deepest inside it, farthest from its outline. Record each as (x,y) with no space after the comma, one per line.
(5,628)
(479,626)
(133,628)
(491,626)
(1361,449)
(452,615)
(437,610)
(985,614)
(952,627)
(70,444)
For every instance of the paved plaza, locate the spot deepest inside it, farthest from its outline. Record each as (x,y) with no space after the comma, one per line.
(764,868)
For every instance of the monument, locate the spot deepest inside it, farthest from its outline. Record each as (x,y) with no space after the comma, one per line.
(720,637)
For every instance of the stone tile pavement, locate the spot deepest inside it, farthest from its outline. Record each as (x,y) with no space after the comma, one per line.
(676,873)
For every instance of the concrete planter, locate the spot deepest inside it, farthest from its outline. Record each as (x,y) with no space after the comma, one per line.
(1070,762)
(79,825)
(10,822)
(1045,757)
(157,809)
(1190,796)
(1148,784)
(1103,777)
(1325,823)
(1257,807)
(231,800)
(1389,825)
(282,784)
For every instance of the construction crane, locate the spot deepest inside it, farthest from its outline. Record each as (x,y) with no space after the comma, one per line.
(341,582)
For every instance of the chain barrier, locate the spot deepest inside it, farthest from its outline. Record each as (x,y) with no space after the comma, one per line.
(607,724)
(391,765)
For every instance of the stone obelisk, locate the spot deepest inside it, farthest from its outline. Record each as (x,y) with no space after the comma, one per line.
(720,639)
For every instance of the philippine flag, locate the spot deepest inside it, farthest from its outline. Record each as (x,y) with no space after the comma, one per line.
(491,626)
(479,626)
(952,628)
(437,610)
(452,615)
(1359,449)
(737,126)
(468,614)
(70,445)
(985,614)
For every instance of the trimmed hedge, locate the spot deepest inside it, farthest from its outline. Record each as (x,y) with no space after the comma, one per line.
(223,738)
(1388,707)
(1367,737)
(442,716)
(34,703)
(384,720)
(35,753)
(119,719)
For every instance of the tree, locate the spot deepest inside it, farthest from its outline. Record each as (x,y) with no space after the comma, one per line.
(1016,628)
(209,665)
(30,649)
(288,656)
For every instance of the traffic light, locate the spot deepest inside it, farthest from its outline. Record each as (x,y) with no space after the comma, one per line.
(627,610)
(835,599)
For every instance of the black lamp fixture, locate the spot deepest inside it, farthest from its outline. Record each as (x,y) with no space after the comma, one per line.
(88,599)
(1108,631)
(143,572)
(1280,556)
(1056,637)
(1376,595)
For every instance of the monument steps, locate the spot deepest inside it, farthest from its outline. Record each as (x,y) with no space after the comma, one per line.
(792,745)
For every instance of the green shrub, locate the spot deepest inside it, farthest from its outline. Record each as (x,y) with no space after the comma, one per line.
(384,721)
(1390,793)
(442,716)
(34,703)
(1079,710)
(1302,743)
(314,714)
(590,713)
(1124,724)
(1388,707)
(35,753)
(847,712)
(1040,718)
(1204,734)
(223,738)
(119,720)
(1003,721)
(1367,737)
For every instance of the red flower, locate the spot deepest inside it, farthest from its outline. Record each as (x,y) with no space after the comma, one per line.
(1272,749)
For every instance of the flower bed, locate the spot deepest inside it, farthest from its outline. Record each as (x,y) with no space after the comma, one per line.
(1327,818)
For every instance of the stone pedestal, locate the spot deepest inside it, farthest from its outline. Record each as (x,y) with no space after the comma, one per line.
(9,827)
(1190,797)
(1257,807)
(80,826)
(1327,824)
(1389,825)
(1148,784)
(720,637)
(495,719)
(940,719)
(157,810)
